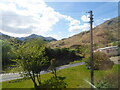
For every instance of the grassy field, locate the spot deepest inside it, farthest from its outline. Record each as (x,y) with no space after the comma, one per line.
(75,77)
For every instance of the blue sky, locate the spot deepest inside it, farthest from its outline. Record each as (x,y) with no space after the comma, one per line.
(55,19)
(102,11)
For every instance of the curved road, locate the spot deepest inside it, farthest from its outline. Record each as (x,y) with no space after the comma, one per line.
(12,76)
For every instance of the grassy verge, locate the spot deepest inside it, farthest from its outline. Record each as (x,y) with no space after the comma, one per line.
(75,77)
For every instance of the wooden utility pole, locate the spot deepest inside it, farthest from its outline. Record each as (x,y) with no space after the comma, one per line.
(91,49)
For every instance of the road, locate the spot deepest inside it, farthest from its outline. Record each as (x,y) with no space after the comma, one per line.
(12,76)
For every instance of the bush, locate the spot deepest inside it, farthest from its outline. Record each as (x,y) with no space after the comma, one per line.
(111,80)
(103,85)
(101,61)
(54,82)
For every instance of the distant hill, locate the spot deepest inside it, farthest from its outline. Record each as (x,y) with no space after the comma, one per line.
(32,36)
(103,35)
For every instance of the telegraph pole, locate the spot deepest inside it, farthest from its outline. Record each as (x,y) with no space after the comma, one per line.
(91,49)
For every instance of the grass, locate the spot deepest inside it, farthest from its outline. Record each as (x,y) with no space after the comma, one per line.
(75,77)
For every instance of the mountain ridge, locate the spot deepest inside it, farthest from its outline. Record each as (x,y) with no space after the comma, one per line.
(103,35)
(28,37)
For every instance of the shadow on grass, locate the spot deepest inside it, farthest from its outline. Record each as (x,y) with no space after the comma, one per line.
(19,80)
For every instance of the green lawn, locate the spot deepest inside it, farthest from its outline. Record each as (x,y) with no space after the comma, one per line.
(75,77)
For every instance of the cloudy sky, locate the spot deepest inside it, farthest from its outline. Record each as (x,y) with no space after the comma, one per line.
(20,18)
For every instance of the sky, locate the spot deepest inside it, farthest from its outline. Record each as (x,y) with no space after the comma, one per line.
(20,18)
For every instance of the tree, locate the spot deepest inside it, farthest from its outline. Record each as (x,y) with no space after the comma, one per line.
(53,66)
(6,53)
(32,59)
(62,55)
(83,50)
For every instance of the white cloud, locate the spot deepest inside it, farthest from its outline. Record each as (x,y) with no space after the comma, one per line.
(100,21)
(74,28)
(105,19)
(83,27)
(59,32)
(67,17)
(74,22)
(15,35)
(85,18)
(23,17)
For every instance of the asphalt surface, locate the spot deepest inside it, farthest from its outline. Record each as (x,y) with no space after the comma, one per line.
(12,76)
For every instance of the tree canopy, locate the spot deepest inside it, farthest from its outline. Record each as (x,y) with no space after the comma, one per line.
(32,59)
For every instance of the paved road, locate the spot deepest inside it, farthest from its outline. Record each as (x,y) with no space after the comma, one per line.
(12,76)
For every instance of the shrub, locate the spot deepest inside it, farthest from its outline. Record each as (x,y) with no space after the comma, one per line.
(103,85)
(54,82)
(113,79)
(101,61)
(109,81)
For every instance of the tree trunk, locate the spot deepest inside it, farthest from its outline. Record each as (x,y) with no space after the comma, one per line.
(55,73)
(35,84)
(33,79)
(38,79)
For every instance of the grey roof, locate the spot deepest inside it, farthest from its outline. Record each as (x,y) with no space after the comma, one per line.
(107,47)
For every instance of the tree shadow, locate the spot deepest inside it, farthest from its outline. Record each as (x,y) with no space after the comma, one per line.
(18,80)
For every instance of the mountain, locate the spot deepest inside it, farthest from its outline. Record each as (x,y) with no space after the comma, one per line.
(50,39)
(37,36)
(104,35)
(5,37)
(28,37)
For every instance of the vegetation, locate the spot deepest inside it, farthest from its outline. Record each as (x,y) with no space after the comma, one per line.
(103,84)
(10,45)
(101,61)
(62,56)
(7,53)
(83,50)
(5,50)
(53,67)
(75,77)
(54,82)
(111,80)
(31,58)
